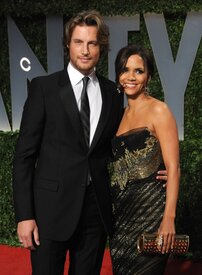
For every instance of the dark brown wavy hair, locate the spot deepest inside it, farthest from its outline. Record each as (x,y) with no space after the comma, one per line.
(123,55)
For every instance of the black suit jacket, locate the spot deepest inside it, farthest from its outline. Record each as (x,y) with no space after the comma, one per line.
(52,160)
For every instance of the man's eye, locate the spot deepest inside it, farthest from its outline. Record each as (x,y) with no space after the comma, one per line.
(77,42)
(94,43)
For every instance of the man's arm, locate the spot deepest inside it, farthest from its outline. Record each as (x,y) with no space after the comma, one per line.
(25,158)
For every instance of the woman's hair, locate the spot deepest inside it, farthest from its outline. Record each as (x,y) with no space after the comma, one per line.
(126,52)
(88,18)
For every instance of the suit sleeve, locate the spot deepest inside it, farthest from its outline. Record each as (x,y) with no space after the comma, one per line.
(27,150)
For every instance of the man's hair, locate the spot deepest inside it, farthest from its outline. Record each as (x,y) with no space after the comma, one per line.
(88,18)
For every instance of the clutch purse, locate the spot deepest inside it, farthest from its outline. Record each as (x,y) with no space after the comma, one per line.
(151,244)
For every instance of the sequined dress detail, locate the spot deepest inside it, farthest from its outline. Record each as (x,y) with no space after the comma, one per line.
(138,201)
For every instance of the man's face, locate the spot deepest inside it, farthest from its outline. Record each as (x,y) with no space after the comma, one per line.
(84,50)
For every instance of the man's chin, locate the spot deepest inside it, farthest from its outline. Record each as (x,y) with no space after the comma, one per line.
(85,69)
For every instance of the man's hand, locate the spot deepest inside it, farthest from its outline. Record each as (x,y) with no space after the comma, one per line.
(162,175)
(28,234)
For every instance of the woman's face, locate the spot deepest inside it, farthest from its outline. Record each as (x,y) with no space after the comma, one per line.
(135,76)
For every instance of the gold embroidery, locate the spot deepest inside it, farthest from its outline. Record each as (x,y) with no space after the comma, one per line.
(136,164)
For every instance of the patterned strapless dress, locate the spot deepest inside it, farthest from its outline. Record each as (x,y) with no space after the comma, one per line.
(138,201)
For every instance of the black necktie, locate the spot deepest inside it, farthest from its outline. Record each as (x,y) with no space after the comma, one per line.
(85,110)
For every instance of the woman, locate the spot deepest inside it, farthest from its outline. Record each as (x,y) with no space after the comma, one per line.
(146,141)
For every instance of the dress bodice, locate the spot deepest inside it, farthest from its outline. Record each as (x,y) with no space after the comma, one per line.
(136,155)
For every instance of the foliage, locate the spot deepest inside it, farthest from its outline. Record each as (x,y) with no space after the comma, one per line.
(190,203)
(28,8)
(7,221)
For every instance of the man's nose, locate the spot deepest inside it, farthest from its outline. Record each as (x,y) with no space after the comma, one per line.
(85,49)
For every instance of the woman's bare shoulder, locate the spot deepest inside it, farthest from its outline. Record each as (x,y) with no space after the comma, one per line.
(158,106)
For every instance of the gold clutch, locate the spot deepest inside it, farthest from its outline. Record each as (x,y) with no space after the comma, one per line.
(150,243)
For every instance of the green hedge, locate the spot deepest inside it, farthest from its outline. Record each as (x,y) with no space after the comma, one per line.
(189,211)
(30,19)
(7,220)
(28,8)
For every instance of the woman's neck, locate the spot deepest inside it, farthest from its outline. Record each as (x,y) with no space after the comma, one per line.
(135,103)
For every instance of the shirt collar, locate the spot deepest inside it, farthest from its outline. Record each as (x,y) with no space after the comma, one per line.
(75,76)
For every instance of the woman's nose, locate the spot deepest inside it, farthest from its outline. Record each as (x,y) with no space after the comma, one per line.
(131,76)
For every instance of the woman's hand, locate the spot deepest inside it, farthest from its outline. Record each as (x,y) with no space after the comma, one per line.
(166,234)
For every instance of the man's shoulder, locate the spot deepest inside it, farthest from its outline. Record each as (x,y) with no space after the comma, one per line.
(50,77)
(110,87)
(104,79)
(106,82)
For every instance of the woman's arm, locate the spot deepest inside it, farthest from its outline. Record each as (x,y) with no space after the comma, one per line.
(167,134)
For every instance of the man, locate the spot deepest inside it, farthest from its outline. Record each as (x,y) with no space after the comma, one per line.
(60,182)
(60,179)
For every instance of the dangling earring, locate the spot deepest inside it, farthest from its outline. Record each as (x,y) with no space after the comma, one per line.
(119,88)
(146,90)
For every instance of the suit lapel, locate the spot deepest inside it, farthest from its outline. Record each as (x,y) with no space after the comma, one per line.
(104,116)
(68,99)
(70,106)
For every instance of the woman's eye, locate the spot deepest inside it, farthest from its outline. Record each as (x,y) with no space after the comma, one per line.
(138,71)
(125,70)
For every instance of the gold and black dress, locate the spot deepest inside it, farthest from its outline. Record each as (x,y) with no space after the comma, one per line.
(138,201)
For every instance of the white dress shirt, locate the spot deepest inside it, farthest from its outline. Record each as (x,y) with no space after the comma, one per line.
(94,95)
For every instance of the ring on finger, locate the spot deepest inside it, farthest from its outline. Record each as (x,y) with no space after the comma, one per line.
(160,240)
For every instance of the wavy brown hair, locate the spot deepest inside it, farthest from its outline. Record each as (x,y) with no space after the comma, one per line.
(88,18)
